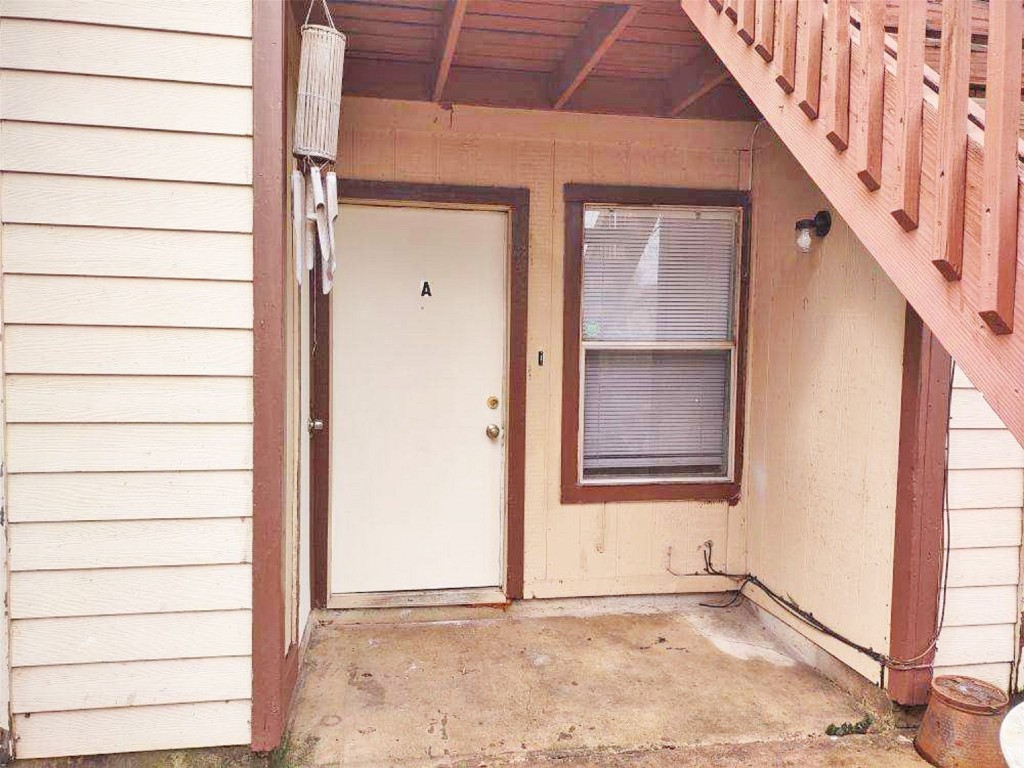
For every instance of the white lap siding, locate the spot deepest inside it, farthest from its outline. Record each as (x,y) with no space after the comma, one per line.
(986,493)
(126,210)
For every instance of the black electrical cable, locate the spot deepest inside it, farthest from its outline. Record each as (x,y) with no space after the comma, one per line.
(789,605)
(885,661)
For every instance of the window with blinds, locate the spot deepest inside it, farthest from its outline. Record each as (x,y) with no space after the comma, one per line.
(658,367)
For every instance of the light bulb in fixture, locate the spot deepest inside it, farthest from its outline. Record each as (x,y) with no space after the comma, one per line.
(819,225)
(803,239)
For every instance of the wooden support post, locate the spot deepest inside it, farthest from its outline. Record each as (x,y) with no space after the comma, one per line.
(454,13)
(909,111)
(746,20)
(603,27)
(273,667)
(920,483)
(836,74)
(951,157)
(765,29)
(786,77)
(812,18)
(872,98)
(1000,180)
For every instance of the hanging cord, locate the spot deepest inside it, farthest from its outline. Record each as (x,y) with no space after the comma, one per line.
(327,13)
(750,154)
(884,661)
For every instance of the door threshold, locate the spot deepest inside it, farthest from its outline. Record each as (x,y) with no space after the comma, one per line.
(419,598)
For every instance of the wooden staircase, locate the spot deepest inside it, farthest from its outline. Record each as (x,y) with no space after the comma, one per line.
(927,179)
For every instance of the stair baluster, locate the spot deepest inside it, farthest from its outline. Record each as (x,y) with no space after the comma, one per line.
(871,95)
(812,19)
(909,114)
(837,74)
(765,29)
(785,46)
(951,165)
(998,266)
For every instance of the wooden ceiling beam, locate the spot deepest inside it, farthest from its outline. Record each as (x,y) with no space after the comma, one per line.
(603,26)
(379,78)
(692,81)
(454,14)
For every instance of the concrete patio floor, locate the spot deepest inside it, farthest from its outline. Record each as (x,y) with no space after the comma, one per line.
(615,682)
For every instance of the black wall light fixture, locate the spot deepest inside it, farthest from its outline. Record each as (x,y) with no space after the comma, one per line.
(819,225)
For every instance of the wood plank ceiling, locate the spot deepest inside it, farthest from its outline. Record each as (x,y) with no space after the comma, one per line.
(633,57)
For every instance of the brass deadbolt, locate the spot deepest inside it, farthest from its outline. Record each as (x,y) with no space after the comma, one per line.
(492,402)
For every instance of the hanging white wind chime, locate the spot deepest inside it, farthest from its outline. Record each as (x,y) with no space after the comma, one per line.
(315,147)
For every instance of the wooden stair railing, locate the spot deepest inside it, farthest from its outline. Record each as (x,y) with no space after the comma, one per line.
(927,180)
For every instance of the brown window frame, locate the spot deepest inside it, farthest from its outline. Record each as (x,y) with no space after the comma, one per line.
(576,196)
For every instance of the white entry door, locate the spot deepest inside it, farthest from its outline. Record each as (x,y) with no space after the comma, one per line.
(418,323)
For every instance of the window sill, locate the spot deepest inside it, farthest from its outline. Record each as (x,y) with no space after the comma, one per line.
(577,493)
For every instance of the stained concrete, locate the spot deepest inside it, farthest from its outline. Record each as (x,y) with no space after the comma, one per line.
(586,683)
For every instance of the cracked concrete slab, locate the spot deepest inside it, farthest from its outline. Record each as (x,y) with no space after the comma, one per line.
(572,689)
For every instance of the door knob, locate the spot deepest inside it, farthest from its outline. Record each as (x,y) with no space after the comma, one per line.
(314,425)
(493,430)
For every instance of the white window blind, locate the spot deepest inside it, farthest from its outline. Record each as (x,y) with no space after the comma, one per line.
(659,342)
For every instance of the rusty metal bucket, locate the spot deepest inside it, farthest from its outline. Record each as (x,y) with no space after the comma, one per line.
(960,728)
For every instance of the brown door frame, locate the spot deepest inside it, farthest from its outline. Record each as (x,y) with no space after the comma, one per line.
(274,667)
(517,202)
(920,501)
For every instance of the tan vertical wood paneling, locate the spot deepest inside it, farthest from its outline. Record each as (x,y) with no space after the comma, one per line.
(634,548)
(125,224)
(570,549)
(826,376)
